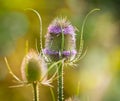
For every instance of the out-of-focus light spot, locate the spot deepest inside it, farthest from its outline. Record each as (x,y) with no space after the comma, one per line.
(18,3)
(12,26)
(3,71)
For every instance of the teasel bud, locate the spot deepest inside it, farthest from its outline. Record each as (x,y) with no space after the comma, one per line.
(33,67)
(60,40)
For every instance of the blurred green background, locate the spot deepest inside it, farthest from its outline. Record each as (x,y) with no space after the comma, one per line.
(95,78)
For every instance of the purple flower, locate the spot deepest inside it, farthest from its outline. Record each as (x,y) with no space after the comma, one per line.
(58,46)
(57,30)
(50,52)
(68,53)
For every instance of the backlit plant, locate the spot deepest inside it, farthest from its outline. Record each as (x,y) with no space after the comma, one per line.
(61,44)
(34,72)
(60,49)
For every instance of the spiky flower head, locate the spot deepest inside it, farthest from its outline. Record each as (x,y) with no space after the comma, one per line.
(60,40)
(33,67)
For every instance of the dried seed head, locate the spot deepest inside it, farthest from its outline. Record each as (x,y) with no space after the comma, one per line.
(33,67)
(60,40)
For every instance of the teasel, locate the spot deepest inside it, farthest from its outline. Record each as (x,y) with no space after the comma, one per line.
(60,40)
(34,72)
(60,49)
(34,69)
(61,44)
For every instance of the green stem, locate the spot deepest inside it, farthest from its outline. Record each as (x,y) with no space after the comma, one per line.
(60,82)
(52,93)
(35,91)
(60,70)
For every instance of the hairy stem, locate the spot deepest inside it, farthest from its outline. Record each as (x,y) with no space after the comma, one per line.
(52,93)
(60,71)
(35,91)
(60,82)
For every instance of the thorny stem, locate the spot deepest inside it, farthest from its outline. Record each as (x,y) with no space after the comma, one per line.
(60,71)
(35,91)
(60,82)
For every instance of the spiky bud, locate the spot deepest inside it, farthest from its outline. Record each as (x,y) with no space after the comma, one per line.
(33,67)
(60,31)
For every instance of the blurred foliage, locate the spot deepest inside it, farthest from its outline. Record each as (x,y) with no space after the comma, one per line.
(95,78)
(12,26)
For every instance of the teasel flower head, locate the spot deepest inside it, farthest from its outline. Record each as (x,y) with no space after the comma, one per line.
(34,70)
(60,40)
(33,67)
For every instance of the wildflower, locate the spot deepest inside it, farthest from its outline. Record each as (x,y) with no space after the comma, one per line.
(33,67)
(61,44)
(60,40)
(34,72)
(60,48)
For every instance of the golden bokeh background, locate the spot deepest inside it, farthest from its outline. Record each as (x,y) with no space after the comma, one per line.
(95,78)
